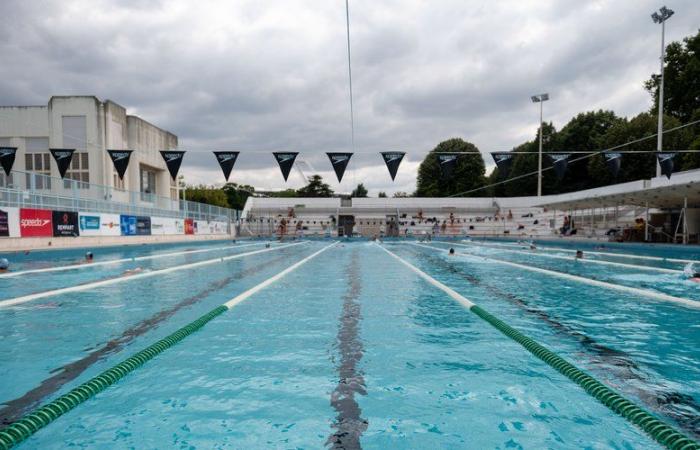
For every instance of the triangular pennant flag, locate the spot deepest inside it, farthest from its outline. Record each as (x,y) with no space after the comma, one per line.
(226,161)
(503,161)
(393,161)
(613,161)
(447,164)
(561,161)
(340,162)
(7,158)
(285,161)
(173,159)
(666,162)
(120,159)
(63,157)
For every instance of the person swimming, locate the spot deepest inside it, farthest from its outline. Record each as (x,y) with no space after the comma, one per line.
(579,254)
(4,265)
(133,271)
(691,273)
(452,252)
(89,256)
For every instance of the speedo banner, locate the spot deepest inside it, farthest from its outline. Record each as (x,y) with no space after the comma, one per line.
(35,222)
(285,161)
(561,162)
(393,161)
(226,161)
(120,159)
(173,159)
(666,162)
(340,163)
(7,158)
(65,223)
(447,164)
(503,161)
(613,161)
(63,157)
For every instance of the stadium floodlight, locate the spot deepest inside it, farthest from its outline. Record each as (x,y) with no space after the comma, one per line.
(660,17)
(540,98)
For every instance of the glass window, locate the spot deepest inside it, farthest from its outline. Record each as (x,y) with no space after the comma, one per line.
(148,183)
(79,171)
(38,160)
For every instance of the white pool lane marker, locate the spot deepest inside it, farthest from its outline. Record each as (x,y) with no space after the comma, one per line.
(252,291)
(87,286)
(602,284)
(122,260)
(568,258)
(618,255)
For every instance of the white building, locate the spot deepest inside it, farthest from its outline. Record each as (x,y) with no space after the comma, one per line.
(89,126)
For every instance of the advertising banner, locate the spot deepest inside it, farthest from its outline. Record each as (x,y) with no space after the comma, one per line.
(285,161)
(63,157)
(9,222)
(120,159)
(393,161)
(7,158)
(173,160)
(35,222)
(65,223)
(226,161)
(98,224)
(218,227)
(166,225)
(201,227)
(127,224)
(143,226)
(447,164)
(189,226)
(340,163)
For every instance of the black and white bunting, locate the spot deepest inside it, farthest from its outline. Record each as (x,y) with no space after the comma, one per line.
(226,161)
(447,164)
(393,161)
(503,161)
(285,161)
(173,159)
(120,159)
(340,163)
(7,158)
(666,162)
(613,161)
(63,157)
(561,162)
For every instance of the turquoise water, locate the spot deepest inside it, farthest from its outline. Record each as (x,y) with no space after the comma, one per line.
(350,350)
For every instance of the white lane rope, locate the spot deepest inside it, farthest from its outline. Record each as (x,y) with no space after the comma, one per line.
(568,258)
(120,261)
(602,284)
(87,286)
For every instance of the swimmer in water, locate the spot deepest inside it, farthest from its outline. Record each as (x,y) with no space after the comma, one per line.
(691,273)
(4,265)
(452,252)
(579,254)
(132,271)
(89,257)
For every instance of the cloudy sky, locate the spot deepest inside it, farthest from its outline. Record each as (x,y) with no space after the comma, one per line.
(271,75)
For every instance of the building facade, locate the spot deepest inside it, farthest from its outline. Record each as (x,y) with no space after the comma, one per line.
(90,126)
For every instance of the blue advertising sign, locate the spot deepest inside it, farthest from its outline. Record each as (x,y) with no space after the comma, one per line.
(143,226)
(128,225)
(89,223)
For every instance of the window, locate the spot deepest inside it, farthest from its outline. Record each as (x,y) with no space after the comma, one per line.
(118,182)
(148,183)
(75,136)
(38,160)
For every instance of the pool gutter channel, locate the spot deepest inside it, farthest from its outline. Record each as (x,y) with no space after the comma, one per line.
(661,432)
(43,416)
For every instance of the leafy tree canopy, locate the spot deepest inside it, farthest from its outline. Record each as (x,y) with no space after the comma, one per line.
(315,188)
(468,173)
(360,191)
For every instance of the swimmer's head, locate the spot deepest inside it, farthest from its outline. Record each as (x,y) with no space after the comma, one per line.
(89,256)
(452,251)
(579,253)
(4,264)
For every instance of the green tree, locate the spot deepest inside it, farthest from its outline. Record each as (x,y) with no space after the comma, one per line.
(205,194)
(401,194)
(382,194)
(286,193)
(468,174)
(525,165)
(237,194)
(360,191)
(315,188)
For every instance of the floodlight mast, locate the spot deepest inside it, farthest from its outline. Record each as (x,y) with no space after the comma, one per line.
(661,17)
(540,98)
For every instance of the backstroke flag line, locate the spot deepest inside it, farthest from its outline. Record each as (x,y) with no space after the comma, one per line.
(613,161)
(561,162)
(173,159)
(7,158)
(666,162)
(63,157)
(120,159)
(285,161)
(393,161)
(503,161)
(340,163)
(447,164)
(226,161)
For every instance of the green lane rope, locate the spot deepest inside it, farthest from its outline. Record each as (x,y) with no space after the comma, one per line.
(660,431)
(41,417)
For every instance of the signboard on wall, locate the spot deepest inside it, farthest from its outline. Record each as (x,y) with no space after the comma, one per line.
(189,226)
(218,227)
(127,225)
(97,224)
(9,222)
(201,227)
(35,222)
(166,225)
(65,223)
(143,226)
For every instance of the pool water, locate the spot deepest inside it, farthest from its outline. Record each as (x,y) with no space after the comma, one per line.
(350,350)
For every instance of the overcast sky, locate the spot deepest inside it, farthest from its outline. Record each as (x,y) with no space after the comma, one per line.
(271,75)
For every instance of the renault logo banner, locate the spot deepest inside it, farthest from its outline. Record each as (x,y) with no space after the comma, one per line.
(666,162)
(503,161)
(561,162)
(173,159)
(226,161)
(340,162)
(393,161)
(285,161)
(613,161)
(63,157)
(447,164)
(7,158)
(120,159)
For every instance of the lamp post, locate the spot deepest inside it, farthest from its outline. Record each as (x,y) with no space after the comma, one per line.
(660,17)
(540,98)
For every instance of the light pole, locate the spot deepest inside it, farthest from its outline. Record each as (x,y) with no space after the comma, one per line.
(660,17)
(540,98)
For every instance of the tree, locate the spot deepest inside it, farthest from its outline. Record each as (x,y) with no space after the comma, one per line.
(205,194)
(400,194)
(382,194)
(468,173)
(525,165)
(237,194)
(359,192)
(286,193)
(315,188)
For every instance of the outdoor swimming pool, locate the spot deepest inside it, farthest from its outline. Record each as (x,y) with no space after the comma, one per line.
(351,347)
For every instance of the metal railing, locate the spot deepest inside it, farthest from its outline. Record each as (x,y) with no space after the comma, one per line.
(35,190)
